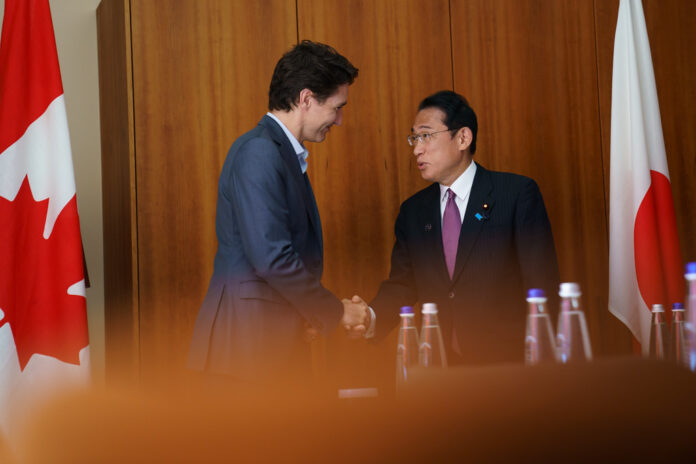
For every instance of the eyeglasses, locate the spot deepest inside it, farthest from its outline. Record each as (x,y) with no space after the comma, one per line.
(413,139)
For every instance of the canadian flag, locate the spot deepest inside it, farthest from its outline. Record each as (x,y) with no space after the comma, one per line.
(43,321)
(644,257)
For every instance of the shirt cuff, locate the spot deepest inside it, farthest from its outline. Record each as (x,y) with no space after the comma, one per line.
(370,332)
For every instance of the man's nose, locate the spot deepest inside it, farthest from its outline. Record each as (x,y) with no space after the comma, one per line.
(339,117)
(418,148)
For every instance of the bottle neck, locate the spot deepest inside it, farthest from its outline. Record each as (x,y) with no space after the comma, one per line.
(406,320)
(430,319)
(691,292)
(536,307)
(570,303)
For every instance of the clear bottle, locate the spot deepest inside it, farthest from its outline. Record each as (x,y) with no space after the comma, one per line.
(432,348)
(573,340)
(407,347)
(659,342)
(539,341)
(690,326)
(678,351)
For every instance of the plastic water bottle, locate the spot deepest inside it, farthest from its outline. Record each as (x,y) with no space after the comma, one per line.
(432,348)
(678,351)
(690,325)
(659,343)
(539,341)
(573,340)
(407,348)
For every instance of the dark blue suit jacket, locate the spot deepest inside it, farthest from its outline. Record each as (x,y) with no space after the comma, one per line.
(504,251)
(266,282)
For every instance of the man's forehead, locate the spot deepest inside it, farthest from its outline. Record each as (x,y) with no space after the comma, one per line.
(428,118)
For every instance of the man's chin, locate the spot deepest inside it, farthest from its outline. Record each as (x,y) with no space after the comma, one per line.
(426,177)
(320,137)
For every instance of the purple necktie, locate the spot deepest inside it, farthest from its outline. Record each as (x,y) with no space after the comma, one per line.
(451,225)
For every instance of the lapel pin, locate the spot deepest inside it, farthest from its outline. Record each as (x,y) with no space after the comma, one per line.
(484,215)
(428,227)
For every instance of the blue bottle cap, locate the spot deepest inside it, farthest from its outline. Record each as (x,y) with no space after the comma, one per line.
(536,293)
(678,306)
(691,267)
(406,310)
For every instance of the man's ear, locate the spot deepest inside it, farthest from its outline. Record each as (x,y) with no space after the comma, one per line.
(464,138)
(305,99)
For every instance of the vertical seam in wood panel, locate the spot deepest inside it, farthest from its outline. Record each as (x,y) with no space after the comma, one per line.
(135,181)
(297,20)
(599,119)
(449,7)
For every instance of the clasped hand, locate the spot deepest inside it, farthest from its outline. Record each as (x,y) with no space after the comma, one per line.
(355,320)
(356,317)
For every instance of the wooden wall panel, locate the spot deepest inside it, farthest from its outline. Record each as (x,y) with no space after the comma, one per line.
(364,170)
(200,74)
(529,70)
(672,33)
(118,189)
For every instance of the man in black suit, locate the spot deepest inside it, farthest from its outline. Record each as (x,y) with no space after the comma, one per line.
(472,242)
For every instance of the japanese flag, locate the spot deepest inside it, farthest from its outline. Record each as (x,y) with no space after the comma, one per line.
(644,257)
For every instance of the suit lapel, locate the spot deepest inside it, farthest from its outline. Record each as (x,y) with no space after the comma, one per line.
(316,221)
(474,217)
(431,221)
(301,180)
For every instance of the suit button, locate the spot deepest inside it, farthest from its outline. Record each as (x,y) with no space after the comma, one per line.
(451,294)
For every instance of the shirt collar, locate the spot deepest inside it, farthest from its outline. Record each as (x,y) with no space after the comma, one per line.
(300,150)
(462,185)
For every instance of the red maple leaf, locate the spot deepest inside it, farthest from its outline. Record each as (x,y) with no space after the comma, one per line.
(35,274)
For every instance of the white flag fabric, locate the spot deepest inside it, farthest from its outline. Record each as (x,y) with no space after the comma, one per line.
(44,345)
(644,256)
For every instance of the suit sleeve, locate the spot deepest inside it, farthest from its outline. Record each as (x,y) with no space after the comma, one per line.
(399,290)
(258,185)
(535,245)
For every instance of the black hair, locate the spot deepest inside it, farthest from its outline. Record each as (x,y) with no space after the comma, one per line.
(458,112)
(308,65)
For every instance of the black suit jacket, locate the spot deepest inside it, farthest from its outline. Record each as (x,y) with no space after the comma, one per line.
(505,248)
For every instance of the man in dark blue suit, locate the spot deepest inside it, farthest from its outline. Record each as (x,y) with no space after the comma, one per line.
(265,293)
(472,242)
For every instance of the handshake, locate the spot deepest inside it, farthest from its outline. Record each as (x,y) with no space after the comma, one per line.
(356,319)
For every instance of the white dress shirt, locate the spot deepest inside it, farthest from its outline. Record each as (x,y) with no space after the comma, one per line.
(300,150)
(461,188)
